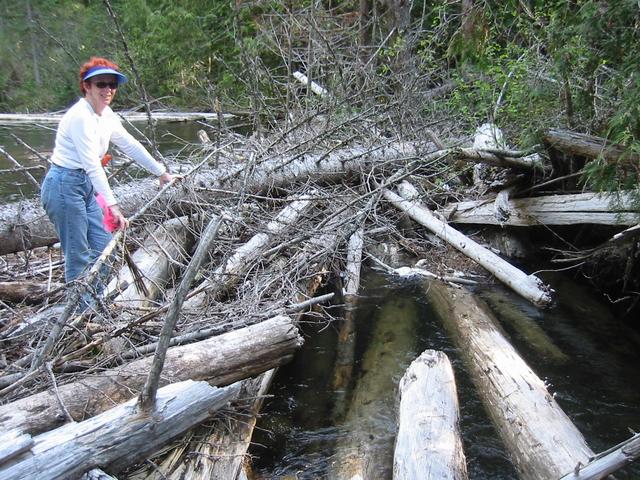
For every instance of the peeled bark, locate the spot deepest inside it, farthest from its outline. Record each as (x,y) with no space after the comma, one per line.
(428,443)
(221,360)
(581,144)
(542,441)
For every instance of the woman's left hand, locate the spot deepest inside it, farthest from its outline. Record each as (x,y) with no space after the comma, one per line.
(166,177)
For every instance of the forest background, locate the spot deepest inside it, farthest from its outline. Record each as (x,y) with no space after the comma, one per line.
(528,65)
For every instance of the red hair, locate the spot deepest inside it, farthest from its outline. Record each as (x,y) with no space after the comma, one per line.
(94,62)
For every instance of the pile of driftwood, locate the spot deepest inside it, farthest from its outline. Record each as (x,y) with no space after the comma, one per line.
(226,259)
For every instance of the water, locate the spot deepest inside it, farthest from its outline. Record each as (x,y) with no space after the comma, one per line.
(594,379)
(173,138)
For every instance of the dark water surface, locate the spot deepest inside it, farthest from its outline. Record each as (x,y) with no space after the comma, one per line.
(592,368)
(174,139)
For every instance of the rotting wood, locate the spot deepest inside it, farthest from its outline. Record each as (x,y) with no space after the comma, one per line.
(541,440)
(608,462)
(220,360)
(571,209)
(428,443)
(120,436)
(529,286)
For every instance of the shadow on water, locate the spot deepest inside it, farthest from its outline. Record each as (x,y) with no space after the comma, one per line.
(594,379)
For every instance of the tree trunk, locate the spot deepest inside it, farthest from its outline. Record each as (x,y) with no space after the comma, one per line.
(24,224)
(529,286)
(586,208)
(220,360)
(542,441)
(428,443)
(28,292)
(584,145)
(156,260)
(121,436)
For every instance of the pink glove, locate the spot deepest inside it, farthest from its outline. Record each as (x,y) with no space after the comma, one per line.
(109,221)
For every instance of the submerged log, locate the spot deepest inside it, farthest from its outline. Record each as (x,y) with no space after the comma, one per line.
(221,360)
(428,444)
(527,328)
(590,208)
(117,438)
(529,286)
(542,441)
(367,450)
(345,348)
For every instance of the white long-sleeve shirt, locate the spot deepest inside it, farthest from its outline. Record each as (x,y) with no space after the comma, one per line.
(83,138)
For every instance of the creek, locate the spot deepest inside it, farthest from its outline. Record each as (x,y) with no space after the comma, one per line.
(593,375)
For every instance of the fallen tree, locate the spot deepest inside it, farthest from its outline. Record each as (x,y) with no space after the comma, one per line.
(120,436)
(588,208)
(541,440)
(529,286)
(428,444)
(220,360)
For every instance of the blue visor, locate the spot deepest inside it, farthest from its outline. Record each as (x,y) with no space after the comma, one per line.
(92,72)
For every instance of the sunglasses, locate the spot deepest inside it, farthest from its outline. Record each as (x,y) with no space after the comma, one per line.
(111,85)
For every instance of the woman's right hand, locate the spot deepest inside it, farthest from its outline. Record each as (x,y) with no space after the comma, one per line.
(123,223)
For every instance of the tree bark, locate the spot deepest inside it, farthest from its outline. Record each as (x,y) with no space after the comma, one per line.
(220,360)
(121,436)
(589,146)
(585,208)
(542,441)
(428,444)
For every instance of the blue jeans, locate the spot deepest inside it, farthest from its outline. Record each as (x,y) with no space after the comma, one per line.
(69,199)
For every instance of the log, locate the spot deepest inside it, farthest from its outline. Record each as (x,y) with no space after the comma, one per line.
(28,292)
(53,118)
(587,208)
(220,360)
(13,443)
(581,144)
(24,224)
(346,346)
(508,312)
(121,436)
(157,260)
(367,450)
(428,444)
(529,286)
(542,441)
(607,462)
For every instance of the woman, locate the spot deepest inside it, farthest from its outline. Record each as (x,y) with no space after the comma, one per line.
(76,174)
